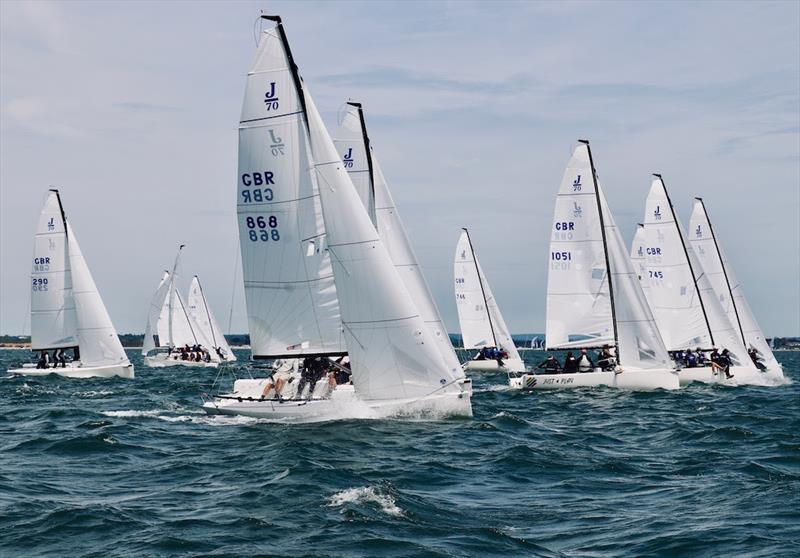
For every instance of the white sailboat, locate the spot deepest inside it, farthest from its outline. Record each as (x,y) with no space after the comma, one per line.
(170,329)
(396,365)
(200,313)
(358,157)
(482,324)
(685,307)
(66,309)
(729,291)
(593,294)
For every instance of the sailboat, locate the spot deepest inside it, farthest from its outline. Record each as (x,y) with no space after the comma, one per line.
(66,309)
(362,166)
(683,301)
(201,315)
(170,328)
(729,291)
(396,365)
(482,324)
(594,298)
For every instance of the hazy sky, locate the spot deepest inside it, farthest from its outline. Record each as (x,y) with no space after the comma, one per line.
(473,108)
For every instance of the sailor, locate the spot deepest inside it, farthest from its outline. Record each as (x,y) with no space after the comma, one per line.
(721,362)
(570,364)
(44,360)
(308,376)
(58,358)
(550,365)
(701,357)
(220,353)
(690,359)
(585,363)
(756,358)
(342,371)
(498,356)
(605,359)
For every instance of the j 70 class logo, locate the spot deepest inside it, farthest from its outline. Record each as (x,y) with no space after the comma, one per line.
(657,213)
(276,145)
(347,158)
(270,98)
(463,254)
(698,231)
(576,210)
(576,185)
(51,225)
(640,251)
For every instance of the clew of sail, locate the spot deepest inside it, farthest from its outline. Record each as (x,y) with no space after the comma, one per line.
(290,292)
(725,284)
(353,144)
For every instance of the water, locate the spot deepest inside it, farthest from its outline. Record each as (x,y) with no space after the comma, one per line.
(132,468)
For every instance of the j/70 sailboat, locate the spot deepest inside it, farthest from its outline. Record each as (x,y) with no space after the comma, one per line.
(396,365)
(729,291)
(686,309)
(482,324)
(594,298)
(66,309)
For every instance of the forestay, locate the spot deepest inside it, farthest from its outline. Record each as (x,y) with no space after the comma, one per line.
(290,293)
(203,319)
(97,339)
(579,312)
(393,355)
(53,321)
(482,324)
(729,291)
(353,144)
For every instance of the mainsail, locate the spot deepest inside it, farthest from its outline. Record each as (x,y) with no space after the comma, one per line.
(723,280)
(359,160)
(203,318)
(482,324)
(594,296)
(638,259)
(685,306)
(292,306)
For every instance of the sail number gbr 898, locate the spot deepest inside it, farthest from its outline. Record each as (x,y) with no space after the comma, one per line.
(262,228)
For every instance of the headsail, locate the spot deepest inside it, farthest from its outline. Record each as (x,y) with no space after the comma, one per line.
(723,280)
(53,321)
(97,339)
(291,300)
(153,336)
(358,157)
(686,309)
(482,324)
(201,315)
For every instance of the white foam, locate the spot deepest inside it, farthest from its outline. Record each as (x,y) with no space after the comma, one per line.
(130,413)
(367,495)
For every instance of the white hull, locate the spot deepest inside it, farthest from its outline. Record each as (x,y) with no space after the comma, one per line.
(161,362)
(626,379)
(742,376)
(343,404)
(509,365)
(72,371)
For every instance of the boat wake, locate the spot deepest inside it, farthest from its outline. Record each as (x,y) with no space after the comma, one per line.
(367,495)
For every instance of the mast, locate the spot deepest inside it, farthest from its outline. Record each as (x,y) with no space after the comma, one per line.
(298,81)
(605,248)
(368,150)
(171,302)
(208,314)
(724,270)
(61,209)
(688,260)
(483,291)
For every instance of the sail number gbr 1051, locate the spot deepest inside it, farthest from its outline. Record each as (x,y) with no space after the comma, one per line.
(560,260)
(261,228)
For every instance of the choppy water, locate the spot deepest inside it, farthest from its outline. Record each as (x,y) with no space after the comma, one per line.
(110,468)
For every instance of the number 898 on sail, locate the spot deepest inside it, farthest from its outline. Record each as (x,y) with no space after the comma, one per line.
(261,228)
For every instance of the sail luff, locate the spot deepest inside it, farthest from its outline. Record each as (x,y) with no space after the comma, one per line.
(483,289)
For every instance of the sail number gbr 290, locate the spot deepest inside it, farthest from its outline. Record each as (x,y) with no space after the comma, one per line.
(261,228)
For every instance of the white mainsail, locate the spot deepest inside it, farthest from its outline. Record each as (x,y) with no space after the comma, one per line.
(359,160)
(98,341)
(594,297)
(290,293)
(153,336)
(482,324)
(638,259)
(723,280)
(393,354)
(53,320)
(685,306)
(201,315)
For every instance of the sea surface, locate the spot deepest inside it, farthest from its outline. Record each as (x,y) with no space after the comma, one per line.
(108,468)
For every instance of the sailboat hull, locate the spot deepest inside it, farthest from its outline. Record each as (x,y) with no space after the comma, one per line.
(343,404)
(742,375)
(159,361)
(627,379)
(122,371)
(509,365)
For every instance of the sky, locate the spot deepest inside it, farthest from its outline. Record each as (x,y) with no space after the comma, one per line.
(473,108)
